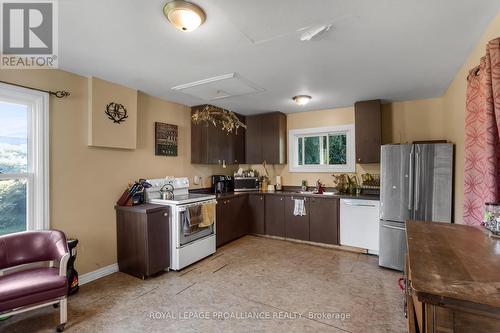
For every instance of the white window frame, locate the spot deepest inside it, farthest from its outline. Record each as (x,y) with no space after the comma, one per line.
(293,149)
(37,176)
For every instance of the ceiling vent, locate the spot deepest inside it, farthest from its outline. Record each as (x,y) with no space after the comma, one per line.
(219,87)
(310,33)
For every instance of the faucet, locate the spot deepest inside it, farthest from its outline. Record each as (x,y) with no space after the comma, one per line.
(319,187)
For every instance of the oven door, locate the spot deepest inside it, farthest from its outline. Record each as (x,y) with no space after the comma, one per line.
(195,233)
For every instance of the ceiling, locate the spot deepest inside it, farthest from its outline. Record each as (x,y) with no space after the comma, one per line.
(387,49)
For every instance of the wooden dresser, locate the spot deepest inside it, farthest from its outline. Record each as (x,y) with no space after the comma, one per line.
(452,279)
(143,239)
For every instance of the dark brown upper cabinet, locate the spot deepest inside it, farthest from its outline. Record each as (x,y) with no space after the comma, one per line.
(265,138)
(367,117)
(211,145)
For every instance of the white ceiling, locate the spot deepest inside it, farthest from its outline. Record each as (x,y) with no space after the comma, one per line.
(388,49)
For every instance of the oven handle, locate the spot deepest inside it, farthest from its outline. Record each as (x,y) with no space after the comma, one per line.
(182,208)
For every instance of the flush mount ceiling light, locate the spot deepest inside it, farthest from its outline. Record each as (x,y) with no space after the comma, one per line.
(302,99)
(183,15)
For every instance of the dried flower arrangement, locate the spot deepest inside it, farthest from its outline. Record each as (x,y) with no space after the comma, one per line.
(218,116)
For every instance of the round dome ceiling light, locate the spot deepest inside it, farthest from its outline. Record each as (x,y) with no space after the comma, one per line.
(302,99)
(183,15)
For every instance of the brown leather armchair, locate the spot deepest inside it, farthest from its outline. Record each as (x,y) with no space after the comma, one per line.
(33,272)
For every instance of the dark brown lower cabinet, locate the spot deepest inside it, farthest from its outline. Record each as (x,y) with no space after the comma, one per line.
(272,214)
(143,242)
(275,215)
(256,215)
(324,220)
(232,219)
(296,227)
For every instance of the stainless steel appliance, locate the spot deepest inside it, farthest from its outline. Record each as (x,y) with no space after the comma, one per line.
(184,249)
(222,184)
(246,184)
(416,184)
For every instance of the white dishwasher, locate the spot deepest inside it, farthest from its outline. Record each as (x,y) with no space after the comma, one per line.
(359,223)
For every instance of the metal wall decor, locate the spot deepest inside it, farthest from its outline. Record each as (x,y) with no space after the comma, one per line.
(210,114)
(165,139)
(116,112)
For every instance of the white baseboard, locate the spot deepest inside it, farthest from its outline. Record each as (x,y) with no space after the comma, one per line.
(97,274)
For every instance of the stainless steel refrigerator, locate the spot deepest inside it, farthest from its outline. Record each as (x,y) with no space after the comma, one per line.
(416,184)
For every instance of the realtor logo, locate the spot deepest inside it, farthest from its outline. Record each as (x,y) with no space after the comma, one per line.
(28,34)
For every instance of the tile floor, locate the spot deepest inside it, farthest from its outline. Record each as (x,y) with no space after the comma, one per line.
(241,288)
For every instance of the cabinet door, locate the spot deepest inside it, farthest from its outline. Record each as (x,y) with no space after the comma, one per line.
(199,144)
(222,225)
(219,146)
(256,214)
(296,227)
(253,140)
(239,217)
(368,131)
(324,220)
(158,241)
(131,236)
(275,215)
(273,135)
(239,147)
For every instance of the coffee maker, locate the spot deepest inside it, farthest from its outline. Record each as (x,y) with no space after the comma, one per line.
(222,184)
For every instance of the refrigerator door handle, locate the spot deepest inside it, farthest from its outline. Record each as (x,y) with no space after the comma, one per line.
(410,185)
(417,181)
(391,227)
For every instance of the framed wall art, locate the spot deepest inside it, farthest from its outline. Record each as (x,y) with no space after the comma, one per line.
(165,139)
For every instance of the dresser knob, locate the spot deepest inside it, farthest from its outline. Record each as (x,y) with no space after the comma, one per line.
(165,214)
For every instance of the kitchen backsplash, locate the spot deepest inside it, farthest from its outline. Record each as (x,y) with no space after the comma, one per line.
(295,178)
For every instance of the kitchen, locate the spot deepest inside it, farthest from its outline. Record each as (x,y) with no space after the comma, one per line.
(217,184)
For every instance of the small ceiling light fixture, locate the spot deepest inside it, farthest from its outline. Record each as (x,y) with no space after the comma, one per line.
(185,16)
(302,99)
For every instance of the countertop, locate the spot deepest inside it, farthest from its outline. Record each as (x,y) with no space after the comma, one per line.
(145,208)
(292,193)
(454,265)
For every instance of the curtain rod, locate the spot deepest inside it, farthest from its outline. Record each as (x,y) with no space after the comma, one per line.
(58,94)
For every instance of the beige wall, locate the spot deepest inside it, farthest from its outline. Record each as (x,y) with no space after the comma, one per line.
(85,182)
(454,110)
(405,122)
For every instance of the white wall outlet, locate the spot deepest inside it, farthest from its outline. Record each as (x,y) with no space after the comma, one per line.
(196,180)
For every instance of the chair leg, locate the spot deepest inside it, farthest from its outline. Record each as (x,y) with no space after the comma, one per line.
(63,314)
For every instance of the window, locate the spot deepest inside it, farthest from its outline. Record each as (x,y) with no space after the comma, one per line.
(327,149)
(24,152)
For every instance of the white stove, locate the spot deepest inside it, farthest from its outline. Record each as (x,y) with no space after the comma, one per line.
(185,249)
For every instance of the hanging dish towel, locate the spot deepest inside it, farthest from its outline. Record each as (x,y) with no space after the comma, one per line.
(208,215)
(192,218)
(299,208)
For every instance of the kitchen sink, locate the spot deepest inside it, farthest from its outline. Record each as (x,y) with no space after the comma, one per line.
(312,192)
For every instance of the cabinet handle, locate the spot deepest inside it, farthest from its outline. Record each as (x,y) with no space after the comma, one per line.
(261,198)
(359,159)
(165,214)
(281,199)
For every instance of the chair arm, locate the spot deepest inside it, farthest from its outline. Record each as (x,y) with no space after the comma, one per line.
(62,264)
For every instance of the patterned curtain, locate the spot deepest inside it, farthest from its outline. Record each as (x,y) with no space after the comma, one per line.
(482,140)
